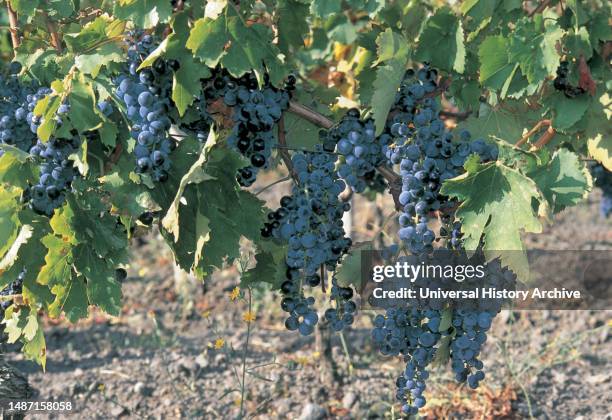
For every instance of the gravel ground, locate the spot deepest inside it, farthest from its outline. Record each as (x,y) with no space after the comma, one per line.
(158,359)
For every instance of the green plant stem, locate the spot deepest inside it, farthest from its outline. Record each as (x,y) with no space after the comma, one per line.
(349,362)
(244,356)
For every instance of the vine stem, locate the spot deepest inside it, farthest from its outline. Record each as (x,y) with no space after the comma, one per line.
(282,140)
(540,8)
(13,25)
(457,115)
(545,138)
(56,40)
(531,132)
(310,115)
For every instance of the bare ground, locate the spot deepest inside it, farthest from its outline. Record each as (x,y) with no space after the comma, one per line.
(158,359)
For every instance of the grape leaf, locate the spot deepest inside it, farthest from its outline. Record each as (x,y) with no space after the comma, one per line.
(82,112)
(564,180)
(36,348)
(598,132)
(535,49)
(195,175)
(144,13)
(567,111)
(292,24)
(70,298)
(103,55)
(324,8)
(58,262)
(494,122)
(578,44)
(390,45)
(24,325)
(25,7)
(349,272)
(441,42)
(11,254)
(9,222)
(239,48)
(103,290)
(495,69)
(496,202)
(270,267)
(388,80)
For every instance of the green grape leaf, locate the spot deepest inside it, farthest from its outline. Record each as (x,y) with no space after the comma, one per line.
(497,203)
(103,290)
(9,221)
(11,254)
(495,69)
(36,348)
(598,132)
(535,48)
(578,44)
(325,8)
(93,35)
(46,108)
(441,42)
(83,114)
(60,9)
(292,24)
(479,10)
(144,13)
(24,325)
(58,262)
(388,80)
(208,40)
(14,323)
(564,180)
(25,7)
(70,298)
(81,222)
(371,7)
(494,122)
(238,47)
(270,267)
(390,45)
(567,111)
(194,175)
(126,196)
(349,272)
(103,56)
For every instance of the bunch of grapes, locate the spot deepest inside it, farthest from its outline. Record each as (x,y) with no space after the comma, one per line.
(147,96)
(310,221)
(255,113)
(427,154)
(412,333)
(343,314)
(357,143)
(415,332)
(14,127)
(561,82)
(603,180)
(56,173)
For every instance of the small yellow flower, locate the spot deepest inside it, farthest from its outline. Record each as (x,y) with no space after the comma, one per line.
(219,343)
(248,316)
(610,323)
(302,360)
(235,293)
(101,387)
(206,314)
